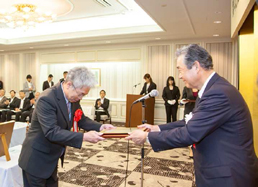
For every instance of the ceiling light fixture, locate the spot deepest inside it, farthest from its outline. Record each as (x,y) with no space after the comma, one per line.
(215,35)
(217,22)
(157,38)
(1,50)
(66,45)
(108,42)
(26,15)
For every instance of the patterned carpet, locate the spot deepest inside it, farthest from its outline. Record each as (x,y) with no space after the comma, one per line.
(104,164)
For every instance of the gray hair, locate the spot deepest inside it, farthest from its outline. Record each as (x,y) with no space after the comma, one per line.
(194,52)
(81,77)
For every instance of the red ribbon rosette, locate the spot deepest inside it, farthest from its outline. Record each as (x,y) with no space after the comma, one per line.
(77,117)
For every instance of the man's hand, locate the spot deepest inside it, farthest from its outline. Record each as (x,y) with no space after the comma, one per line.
(150,128)
(92,137)
(138,137)
(99,103)
(17,110)
(7,102)
(30,89)
(106,127)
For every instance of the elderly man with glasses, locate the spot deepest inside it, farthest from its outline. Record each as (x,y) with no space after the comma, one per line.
(52,120)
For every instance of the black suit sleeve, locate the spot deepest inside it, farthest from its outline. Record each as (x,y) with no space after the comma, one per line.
(96,104)
(105,105)
(2,104)
(184,94)
(15,103)
(177,94)
(213,111)
(164,95)
(46,113)
(26,105)
(143,89)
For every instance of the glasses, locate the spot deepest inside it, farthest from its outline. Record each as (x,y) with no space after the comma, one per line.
(80,95)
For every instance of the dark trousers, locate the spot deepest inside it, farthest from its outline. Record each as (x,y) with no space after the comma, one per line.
(171,111)
(32,181)
(10,113)
(25,114)
(98,114)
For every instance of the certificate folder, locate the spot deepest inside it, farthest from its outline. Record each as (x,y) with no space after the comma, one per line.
(119,132)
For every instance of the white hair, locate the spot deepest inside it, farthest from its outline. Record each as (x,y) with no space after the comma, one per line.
(81,77)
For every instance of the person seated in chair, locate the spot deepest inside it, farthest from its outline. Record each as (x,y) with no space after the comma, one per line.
(101,105)
(29,112)
(11,103)
(2,101)
(24,105)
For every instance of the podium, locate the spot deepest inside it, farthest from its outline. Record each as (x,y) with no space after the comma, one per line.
(136,113)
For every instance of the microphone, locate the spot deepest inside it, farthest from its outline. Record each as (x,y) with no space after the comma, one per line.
(153,93)
(136,85)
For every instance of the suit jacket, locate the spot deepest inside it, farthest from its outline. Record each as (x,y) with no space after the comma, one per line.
(50,133)
(105,105)
(26,105)
(2,102)
(188,94)
(171,95)
(151,87)
(46,85)
(221,129)
(15,103)
(26,88)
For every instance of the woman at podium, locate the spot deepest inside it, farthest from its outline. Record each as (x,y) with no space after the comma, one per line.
(149,85)
(171,95)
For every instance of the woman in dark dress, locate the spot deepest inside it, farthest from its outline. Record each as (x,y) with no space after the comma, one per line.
(189,94)
(171,94)
(148,86)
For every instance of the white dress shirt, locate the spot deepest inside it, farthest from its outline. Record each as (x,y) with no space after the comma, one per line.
(147,87)
(21,104)
(205,84)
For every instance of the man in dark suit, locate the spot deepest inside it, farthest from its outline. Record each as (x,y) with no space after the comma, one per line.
(3,99)
(51,123)
(29,112)
(1,85)
(23,105)
(48,83)
(219,128)
(11,103)
(64,74)
(101,105)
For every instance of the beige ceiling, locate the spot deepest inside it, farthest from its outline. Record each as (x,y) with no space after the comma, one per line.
(180,19)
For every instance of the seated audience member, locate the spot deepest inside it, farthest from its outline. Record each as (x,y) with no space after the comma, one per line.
(48,83)
(2,101)
(11,103)
(64,74)
(101,105)
(25,114)
(24,105)
(1,85)
(28,87)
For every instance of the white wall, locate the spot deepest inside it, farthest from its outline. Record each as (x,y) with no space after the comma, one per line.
(121,66)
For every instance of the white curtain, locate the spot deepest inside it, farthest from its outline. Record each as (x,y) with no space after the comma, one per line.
(225,60)
(159,65)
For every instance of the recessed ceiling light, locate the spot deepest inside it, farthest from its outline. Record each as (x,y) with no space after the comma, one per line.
(31,47)
(66,45)
(217,21)
(157,38)
(215,35)
(218,12)
(108,42)
(1,50)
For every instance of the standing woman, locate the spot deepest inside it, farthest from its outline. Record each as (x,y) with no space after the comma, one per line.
(189,94)
(148,86)
(171,95)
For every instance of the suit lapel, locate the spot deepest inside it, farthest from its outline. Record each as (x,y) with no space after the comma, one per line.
(62,103)
(210,83)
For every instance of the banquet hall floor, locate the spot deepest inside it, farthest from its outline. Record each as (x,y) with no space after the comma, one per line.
(104,164)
